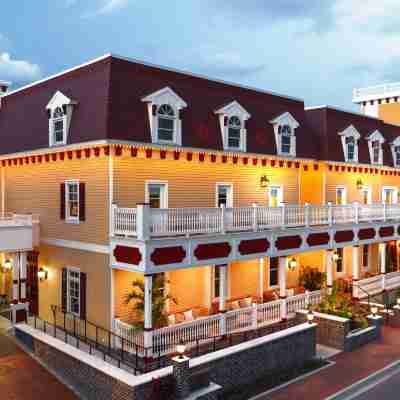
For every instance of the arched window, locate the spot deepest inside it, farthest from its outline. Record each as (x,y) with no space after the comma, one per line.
(58,112)
(166,123)
(350,147)
(58,126)
(234,127)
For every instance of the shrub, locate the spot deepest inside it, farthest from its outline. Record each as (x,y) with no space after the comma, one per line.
(311,278)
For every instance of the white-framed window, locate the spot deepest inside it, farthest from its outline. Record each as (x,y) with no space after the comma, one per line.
(156,194)
(366,195)
(341,195)
(224,195)
(389,195)
(74,290)
(59,110)
(72,201)
(232,121)
(163,108)
(365,256)
(273,279)
(216,280)
(395,147)
(349,138)
(285,138)
(275,195)
(375,141)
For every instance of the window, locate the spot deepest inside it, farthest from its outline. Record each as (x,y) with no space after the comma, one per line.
(157,194)
(397,155)
(375,141)
(350,145)
(73,291)
(340,196)
(273,271)
(275,196)
(166,123)
(72,201)
(376,150)
(366,195)
(365,256)
(234,127)
(339,261)
(389,195)
(285,131)
(285,138)
(224,195)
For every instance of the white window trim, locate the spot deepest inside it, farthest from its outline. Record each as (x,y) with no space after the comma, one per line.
(344,194)
(281,196)
(230,196)
(285,119)
(394,144)
(62,101)
(375,136)
(164,200)
(350,132)
(73,269)
(226,112)
(68,218)
(157,99)
(369,196)
(395,194)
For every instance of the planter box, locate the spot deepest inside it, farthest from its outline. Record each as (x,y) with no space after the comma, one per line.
(335,331)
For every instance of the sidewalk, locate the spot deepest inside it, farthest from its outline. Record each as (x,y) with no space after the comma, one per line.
(349,368)
(22,378)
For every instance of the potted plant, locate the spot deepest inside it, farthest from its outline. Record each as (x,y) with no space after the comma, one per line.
(311,278)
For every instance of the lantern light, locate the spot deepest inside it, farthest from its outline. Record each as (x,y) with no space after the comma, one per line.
(310,316)
(374,310)
(264,181)
(335,256)
(180,349)
(7,264)
(292,264)
(42,274)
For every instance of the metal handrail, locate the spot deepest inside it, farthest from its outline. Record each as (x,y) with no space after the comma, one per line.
(365,291)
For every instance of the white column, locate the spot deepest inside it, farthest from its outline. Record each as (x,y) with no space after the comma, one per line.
(282,285)
(382,258)
(23,275)
(148,318)
(143,221)
(261,268)
(223,269)
(329,269)
(15,275)
(356,275)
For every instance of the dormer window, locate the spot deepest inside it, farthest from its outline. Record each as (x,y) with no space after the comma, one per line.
(59,111)
(395,146)
(166,123)
(164,111)
(349,138)
(375,141)
(285,138)
(232,121)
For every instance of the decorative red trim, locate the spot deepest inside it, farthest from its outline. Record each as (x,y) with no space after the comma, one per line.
(344,236)
(305,167)
(235,159)
(163,154)
(386,231)
(70,154)
(54,156)
(134,151)
(33,159)
(62,156)
(26,161)
(97,151)
(213,158)
(168,255)
(207,251)
(315,167)
(253,246)
(46,157)
(255,161)
(118,151)
(78,153)
(224,159)
(343,168)
(127,255)
(318,239)
(288,242)
(177,155)
(281,164)
(245,160)
(39,158)
(21,161)
(289,164)
(360,170)
(330,167)
(189,156)
(367,233)
(15,161)
(201,157)
(3,163)
(272,163)
(87,153)
(263,162)
(106,150)
(297,164)
(149,153)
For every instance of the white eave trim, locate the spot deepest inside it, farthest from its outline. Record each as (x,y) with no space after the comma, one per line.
(233,108)
(166,91)
(285,118)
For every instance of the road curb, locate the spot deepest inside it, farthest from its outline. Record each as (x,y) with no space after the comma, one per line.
(365,384)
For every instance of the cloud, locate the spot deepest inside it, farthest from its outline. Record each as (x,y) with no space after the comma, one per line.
(112,5)
(18,71)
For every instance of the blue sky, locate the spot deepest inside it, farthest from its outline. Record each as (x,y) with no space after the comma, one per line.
(317,50)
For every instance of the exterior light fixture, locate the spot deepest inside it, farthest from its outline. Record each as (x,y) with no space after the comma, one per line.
(7,264)
(264,181)
(374,310)
(180,349)
(310,316)
(335,256)
(42,274)
(359,184)
(398,301)
(292,264)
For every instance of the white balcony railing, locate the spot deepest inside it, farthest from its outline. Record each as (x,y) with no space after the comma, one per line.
(201,330)
(145,222)
(383,90)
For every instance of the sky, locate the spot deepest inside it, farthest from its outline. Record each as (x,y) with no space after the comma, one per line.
(315,50)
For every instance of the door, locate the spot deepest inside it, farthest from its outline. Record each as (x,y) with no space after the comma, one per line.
(32,284)
(275,196)
(389,195)
(224,195)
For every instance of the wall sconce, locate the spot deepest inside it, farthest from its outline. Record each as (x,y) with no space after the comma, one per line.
(292,264)
(42,274)
(180,349)
(359,184)
(7,264)
(335,256)
(264,181)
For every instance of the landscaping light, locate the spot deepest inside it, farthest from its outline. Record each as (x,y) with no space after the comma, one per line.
(42,274)
(374,310)
(7,264)
(310,317)
(181,348)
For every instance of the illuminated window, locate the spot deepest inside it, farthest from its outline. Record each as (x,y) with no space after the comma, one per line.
(166,123)
(224,195)
(72,201)
(73,291)
(234,128)
(340,195)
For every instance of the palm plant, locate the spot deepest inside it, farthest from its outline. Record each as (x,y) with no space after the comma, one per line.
(159,299)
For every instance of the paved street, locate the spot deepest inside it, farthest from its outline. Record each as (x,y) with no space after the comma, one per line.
(22,378)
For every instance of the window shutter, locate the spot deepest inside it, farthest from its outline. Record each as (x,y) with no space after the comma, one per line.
(83,295)
(82,208)
(64,289)
(62,201)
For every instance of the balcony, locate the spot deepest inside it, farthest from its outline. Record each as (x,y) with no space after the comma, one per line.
(18,232)
(197,236)
(376,92)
